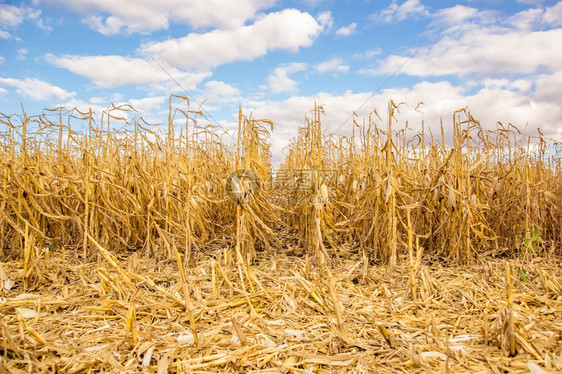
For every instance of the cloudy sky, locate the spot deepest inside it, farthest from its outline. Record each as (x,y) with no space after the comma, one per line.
(500,58)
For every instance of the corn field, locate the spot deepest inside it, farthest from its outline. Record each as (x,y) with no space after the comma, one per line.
(144,224)
(133,189)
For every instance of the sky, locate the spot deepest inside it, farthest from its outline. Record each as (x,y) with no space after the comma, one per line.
(275,59)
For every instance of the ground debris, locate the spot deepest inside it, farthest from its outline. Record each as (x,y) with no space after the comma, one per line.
(136,319)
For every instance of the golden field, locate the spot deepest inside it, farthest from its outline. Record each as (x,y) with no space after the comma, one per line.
(125,248)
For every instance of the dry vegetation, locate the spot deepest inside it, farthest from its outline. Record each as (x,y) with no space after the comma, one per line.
(127,249)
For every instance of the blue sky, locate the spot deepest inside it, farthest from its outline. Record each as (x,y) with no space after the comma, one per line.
(500,58)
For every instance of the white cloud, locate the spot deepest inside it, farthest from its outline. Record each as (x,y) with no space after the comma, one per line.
(504,101)
(548,89)
(117,97)
(117,16)
(482,47)
(41,24)
(553,15)
(279,80)
(100,104)
(398,13)
(99,100)
(84,106)
(36,89)
(455,15)
(522,85)
(333,65)
(147,104)
(12,16)
(325,19)
(220,92)
(22,53)
(347,30)
(460,19)
(368,54)
(116,71)
(148,107)
(287,30)
(106,26)
(527,19)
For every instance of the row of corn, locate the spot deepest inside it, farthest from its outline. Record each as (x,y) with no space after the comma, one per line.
(69,177)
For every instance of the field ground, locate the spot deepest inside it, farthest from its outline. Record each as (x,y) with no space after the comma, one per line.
(279,316)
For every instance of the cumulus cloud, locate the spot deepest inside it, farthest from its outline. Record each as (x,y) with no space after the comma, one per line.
(553,15)
(347,30)
(522,85)
(112,17)
(220,92)
(279,81)
(397,13)
(526,20)
(548,89)
(12,16)
(325,19)
(37,89)
(105,25)
(507,102)
(482,45)
(334,65)
(287,30)
(455,15)
(116,71)
(459,19)
(147,104)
